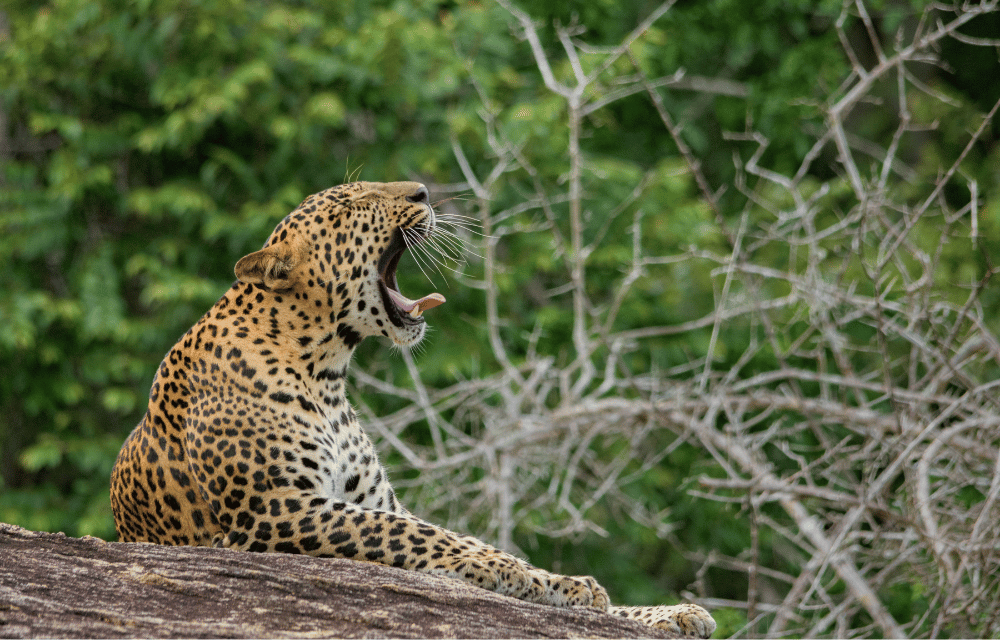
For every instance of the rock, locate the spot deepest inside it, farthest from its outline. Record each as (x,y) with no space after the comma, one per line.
(52,585)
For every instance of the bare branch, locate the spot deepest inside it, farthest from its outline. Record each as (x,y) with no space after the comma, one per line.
(855,421)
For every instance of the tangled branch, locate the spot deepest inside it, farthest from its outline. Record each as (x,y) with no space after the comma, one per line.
(870,447)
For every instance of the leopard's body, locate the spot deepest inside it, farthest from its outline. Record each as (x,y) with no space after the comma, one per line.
(249,442)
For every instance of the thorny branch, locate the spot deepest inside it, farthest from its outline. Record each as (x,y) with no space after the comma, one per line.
(860,448)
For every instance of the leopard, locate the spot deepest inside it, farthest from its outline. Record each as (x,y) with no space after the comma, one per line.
(249,442)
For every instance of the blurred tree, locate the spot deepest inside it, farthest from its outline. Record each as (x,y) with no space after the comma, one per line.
(148,146)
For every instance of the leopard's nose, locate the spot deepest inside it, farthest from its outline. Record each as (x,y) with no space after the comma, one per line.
(419,196)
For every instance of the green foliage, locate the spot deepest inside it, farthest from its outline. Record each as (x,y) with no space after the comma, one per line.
(147,146)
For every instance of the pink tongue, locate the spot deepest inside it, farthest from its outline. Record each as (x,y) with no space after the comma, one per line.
(423,304)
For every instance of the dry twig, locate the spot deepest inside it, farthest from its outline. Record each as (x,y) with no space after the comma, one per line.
(881,401)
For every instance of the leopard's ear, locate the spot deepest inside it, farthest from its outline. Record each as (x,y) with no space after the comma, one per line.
(270,267)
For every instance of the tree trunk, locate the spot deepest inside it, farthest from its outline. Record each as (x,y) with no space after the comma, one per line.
(54,585)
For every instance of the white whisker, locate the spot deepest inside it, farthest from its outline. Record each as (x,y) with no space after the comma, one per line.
(460,223)
(448,232)
(428,251)
(429,259)
(455,243)
(449,247)
(433,249)
(467,229)
(443,253)
(445,245)
(464,227)
(445,264)
(457,216)
(413,243)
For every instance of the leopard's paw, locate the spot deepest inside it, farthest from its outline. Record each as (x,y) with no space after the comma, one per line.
(566,591)
(682,620)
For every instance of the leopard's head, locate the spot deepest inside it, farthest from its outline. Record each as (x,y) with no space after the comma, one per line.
(332,261)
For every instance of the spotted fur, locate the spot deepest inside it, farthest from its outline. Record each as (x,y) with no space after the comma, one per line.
(249,441)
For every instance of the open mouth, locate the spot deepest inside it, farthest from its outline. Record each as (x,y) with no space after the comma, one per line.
(401,310)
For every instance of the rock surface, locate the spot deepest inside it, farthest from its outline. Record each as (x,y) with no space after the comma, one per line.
(52,585)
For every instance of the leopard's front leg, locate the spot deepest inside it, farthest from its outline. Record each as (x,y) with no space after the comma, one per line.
(337,529)
(552,588)
(683,620)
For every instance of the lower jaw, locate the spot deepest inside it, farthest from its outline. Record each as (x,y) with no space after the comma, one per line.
(397,317)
